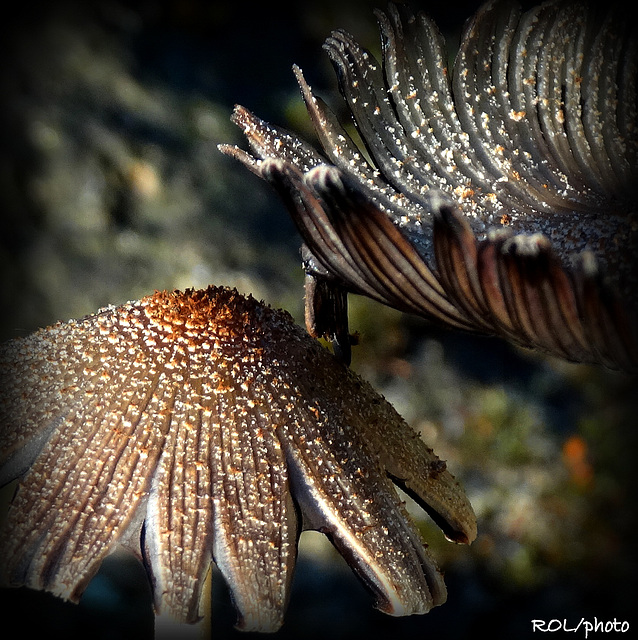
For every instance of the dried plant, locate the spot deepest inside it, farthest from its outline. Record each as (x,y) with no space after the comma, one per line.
(498,196)
(203,426)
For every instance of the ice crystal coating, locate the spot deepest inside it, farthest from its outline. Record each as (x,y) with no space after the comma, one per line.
(202,425)
(499,195)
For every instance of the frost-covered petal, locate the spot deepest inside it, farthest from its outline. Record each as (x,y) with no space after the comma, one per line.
(343,458)
(89,482)
(197,426)
(532,133)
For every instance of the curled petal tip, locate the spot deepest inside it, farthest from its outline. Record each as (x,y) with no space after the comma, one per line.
(525,246)
(271,167)
(486,138)
(589,264)
(325,177)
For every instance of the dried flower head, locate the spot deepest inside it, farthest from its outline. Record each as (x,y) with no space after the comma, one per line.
(203,426)
(498,196)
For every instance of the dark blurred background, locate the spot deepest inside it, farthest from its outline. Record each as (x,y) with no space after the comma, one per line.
(111,186)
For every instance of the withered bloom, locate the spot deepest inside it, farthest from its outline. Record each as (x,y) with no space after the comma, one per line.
(498,197)
(201,426)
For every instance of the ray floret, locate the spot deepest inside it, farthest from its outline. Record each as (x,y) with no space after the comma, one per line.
(204,426)
(494,196)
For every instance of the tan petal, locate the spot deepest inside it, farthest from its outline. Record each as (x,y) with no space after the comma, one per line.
(255,521)
(221,486)
(178,523)
(43,377)
(84,489)
(344,493)
(413,466)
(340,455)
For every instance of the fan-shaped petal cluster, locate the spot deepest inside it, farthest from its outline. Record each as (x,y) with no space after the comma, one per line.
(497,196)
(202,426)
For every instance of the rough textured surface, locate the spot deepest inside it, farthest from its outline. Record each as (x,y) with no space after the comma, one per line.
(519,160)
(195,425)
(545,450)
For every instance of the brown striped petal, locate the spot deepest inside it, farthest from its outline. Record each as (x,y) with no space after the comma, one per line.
(198,426)
(532,133)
